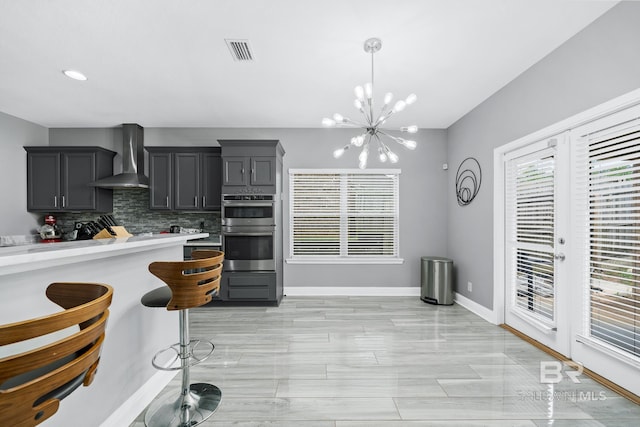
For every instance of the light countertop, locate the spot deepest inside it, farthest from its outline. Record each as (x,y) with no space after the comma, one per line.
(40,255)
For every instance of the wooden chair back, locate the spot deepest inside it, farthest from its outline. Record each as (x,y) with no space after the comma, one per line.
(33,382)
(192,283)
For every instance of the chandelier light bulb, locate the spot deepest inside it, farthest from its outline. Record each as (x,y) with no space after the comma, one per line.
(393,157)
(388,97)
(410,129)
(359,91)
(338,118)
(398,107)
(381,155)
(359,140)
(358,104)
(411,99)
(328,122)
(409,143)
(368,90)
(340,151)
(364,155)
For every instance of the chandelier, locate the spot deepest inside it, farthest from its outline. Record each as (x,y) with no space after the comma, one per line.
(371,126)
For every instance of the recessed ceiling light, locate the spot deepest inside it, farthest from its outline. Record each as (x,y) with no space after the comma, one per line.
(73,74)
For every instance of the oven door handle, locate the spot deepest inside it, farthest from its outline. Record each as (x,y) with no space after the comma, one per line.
(243,233)
(247,205)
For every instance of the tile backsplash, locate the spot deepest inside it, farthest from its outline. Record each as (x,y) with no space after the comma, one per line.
(131,209)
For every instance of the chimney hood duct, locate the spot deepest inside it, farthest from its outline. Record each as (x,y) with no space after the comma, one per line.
(132,175)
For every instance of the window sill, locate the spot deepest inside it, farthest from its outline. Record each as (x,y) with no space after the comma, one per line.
(319,260)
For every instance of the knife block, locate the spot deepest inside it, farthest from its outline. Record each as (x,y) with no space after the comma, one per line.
(118,229)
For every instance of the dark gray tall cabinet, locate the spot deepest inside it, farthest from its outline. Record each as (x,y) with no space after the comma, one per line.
(184,178)
(255,167)
(58,179)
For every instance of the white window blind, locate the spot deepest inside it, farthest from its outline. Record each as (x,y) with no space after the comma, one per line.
(530,207)
(339,214)
(607,174)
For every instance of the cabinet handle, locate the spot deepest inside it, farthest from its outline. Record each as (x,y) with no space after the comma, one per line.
(242,171)
(63,202)
(55,201)
(195,201)
(253,174)
(167,202)
(204,201)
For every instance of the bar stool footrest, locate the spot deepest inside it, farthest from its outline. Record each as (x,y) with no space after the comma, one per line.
(170,357)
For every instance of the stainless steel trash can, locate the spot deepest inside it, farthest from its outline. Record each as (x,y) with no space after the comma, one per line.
(436,280)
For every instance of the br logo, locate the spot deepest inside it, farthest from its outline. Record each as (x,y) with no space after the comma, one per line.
(551,372)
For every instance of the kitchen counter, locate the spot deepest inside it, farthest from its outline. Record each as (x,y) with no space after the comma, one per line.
(126,381)
(41,255)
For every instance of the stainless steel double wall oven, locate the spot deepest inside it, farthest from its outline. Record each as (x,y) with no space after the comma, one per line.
(249,232)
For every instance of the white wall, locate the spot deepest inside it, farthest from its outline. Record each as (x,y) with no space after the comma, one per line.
(423,189)
(15,133)
(598,64)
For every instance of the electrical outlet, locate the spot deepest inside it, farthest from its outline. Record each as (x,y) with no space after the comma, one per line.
(470,286)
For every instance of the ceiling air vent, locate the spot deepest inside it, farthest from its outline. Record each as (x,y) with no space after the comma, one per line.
(240,49)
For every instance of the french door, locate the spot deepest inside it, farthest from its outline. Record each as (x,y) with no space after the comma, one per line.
(606,225)
(572,243)
(535,234)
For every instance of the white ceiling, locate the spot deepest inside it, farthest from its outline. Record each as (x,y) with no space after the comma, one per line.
(164,63)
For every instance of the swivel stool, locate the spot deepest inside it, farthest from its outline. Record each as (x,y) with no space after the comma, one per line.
(190,284)
(33,381)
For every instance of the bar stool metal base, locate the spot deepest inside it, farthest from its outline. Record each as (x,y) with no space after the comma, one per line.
(184,411)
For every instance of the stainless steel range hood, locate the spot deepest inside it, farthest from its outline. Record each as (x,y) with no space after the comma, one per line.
(132,175)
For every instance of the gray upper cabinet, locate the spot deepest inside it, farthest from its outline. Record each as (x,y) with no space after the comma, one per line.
(160,194)
(58,179)
(184,178)
(250,166)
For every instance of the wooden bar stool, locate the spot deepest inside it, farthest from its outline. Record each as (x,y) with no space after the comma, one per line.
(35,380)
(189,284)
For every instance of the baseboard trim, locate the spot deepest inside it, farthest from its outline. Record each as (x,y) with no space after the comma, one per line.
(408,291)
(127,412)
(594,376)
(476,308)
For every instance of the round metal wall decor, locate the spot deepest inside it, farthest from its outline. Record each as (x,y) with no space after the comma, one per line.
(468,180)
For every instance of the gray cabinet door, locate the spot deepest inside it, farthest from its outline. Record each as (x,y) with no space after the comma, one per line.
(160,197)
(43,181)
(58,179)
(250,286)
(186,182)
(235,169)
(211,181)
(263,171)
(78,170)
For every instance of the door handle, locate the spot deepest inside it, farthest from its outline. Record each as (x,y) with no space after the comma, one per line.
(559,256)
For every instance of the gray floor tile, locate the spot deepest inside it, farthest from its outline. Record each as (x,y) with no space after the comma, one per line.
(384,361)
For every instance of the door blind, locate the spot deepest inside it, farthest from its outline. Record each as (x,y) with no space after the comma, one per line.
(344,214)
(530,207)
(608,177)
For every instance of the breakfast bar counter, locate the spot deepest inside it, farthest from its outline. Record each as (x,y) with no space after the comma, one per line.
(126,381)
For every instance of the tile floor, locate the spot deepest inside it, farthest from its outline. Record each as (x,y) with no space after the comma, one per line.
(384,361)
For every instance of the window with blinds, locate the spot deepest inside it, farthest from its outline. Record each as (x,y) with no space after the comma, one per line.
(530,211)
(339,214)
(608,170)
